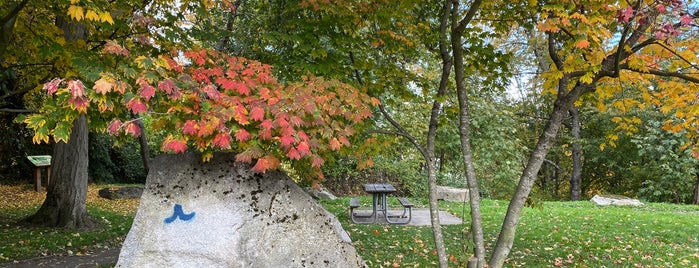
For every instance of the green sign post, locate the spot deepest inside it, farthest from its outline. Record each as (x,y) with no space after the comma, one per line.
(40,161)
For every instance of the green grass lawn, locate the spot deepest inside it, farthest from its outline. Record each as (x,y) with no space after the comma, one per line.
(562,234)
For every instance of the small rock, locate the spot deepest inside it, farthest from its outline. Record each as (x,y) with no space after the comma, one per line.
(452,194)
(618,200)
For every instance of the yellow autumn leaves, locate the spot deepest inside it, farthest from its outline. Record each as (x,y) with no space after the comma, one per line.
(79,13)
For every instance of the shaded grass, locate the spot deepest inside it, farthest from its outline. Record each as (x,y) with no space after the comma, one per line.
(21,242)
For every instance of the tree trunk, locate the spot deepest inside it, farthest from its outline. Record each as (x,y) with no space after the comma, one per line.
(576,176)
(695,200)
(143,142)
(526,181)
(465,135)
(64,205)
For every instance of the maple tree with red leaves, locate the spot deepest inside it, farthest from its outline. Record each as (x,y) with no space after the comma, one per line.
(209,101)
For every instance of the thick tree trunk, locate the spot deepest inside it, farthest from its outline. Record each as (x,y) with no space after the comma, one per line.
(465,135)
(64,205)
(576,176)
(67,191)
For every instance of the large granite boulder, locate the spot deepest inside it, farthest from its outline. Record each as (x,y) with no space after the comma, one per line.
(619,200)
(452,194)
(221,214)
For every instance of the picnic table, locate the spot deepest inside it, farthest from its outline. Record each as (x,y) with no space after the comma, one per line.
(40,162)
(380,192)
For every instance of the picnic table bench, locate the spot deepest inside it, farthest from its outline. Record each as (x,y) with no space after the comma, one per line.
(380,204)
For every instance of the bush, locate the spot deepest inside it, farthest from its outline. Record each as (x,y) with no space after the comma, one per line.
(110,164)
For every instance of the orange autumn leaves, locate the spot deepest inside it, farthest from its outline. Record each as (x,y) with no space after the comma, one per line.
(209,101)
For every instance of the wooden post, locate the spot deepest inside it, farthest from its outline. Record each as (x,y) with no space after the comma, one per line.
(48,176)
(37,179)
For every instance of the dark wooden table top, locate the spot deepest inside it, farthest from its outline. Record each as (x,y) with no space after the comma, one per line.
(379,188)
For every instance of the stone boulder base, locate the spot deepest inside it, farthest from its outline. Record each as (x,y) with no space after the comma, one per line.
(452,194)
(320,194)
(619,200)
(122,192)
(221,214)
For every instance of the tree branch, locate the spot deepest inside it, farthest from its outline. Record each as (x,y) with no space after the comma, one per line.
(664,74)
(7,25)
(475,6)
(401,131)
(552,52)
(11,110)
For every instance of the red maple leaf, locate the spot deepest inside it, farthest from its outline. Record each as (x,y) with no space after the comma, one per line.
(52,86)
(302,135)
(244,157)
(344,141)
(334,144)
(257,113)
(114,126)
(76,88)
(261,166)
(267,124)
(265,134)
(80,103)
(281,122)
(625,14)
(248,72)
(242,135)
(212,92)
(265,93)
(222,140)
(174,145)
(293,154)
(317,161)
(241,88)
(190,127)
(167,86)
(205,129)
(286,141)
(303,148)
(146,91)
(686,20)
(240,114)
(132,129)
(226,84)
(136,106)
(296,121)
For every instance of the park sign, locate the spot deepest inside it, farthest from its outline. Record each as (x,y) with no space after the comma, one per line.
(40,160)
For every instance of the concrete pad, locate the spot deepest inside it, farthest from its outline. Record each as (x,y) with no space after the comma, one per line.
(421,217)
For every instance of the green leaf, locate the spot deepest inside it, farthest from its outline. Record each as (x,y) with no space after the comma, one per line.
(62,131)
(35,121)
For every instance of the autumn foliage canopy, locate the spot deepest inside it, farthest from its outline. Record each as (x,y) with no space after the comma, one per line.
(209,101)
